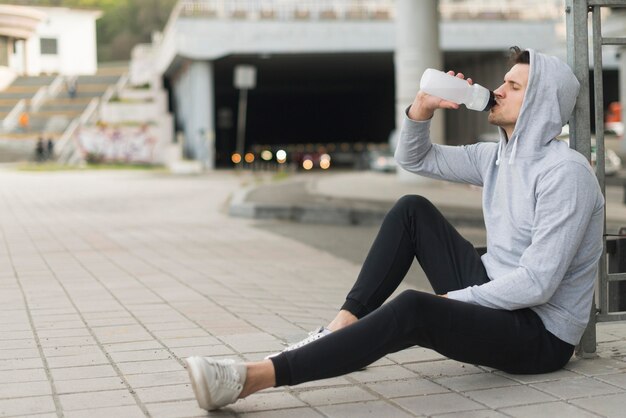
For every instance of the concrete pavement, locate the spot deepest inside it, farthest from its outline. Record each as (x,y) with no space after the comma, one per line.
(109,279)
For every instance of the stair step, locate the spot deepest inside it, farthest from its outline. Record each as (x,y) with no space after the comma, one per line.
(33,81)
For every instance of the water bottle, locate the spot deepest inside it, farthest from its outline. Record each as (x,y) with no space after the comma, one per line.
(454,89)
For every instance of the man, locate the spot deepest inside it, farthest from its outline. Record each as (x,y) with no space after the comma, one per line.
(520,308)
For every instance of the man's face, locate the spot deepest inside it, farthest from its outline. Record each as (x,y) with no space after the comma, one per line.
(509,98)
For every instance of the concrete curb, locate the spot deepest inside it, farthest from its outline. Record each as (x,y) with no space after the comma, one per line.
(309,208)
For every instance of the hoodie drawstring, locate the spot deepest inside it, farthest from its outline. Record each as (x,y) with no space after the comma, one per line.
(513,152)
(499,152)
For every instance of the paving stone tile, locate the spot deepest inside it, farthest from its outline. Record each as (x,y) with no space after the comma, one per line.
(118,411)
(609,405)
(284,413)
(407,387)
(15,354)
(614,379)
(153,366)
(71,332)
(85,372)
(552,409)
(184,409)
(209,351)
(124,356)
(438,404)
(19,344)
(364,409)
(443,368)
(596,366)
(89,385)
(92,359)
(26,406)
(266,401)
(122,334)
(576,388)
(92,400)
(166,393)
(157,379)
(536,378)
(190,342)
(335,381)
(329,396)
(413,355)
(18,390)
(26,375)
(484,413)
(374,374)
(252,342)
(21,363)
(475,382)
(15,334)
(134,346)
(70,351)
(509,396)
(66,341)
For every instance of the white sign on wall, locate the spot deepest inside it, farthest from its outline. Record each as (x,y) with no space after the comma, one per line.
(245,77)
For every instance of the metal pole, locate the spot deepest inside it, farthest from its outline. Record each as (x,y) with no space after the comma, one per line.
(241,123)
(580,131)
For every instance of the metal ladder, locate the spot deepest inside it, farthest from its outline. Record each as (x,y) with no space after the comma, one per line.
(577,12)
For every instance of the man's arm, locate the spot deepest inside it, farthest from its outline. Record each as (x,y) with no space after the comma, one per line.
(416,153)
(557,233)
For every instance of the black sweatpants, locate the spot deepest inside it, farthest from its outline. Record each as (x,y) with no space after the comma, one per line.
(512,341)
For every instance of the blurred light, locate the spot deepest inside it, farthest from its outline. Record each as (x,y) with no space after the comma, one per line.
(281,154)
(307,164)
(249,157)
(325,157)
(324,164)
(236,158)
(266,155)
(281,160)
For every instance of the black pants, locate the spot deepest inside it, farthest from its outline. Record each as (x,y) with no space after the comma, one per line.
(512,341)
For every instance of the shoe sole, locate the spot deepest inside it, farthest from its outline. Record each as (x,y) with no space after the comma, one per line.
(199,383)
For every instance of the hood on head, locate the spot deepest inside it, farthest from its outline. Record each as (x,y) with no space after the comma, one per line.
(548,104)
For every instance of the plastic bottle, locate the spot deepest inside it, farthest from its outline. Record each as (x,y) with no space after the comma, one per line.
(457,90)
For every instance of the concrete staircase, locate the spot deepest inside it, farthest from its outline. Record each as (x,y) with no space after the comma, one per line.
(57,112)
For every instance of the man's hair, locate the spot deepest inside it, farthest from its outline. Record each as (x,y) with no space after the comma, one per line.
(518,56)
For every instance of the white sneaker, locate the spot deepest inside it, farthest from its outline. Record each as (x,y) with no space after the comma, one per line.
(216,383)
(313,336)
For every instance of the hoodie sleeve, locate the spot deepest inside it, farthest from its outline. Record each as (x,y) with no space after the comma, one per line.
(461,164)
(565,202)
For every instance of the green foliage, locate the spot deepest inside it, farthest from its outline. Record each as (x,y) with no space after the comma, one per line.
(124,23)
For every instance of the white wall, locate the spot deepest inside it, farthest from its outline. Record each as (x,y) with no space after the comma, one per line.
(75,31)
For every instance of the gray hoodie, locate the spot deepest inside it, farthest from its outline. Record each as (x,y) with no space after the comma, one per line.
(543,207)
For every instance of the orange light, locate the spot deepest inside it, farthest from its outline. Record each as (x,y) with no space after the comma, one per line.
(249,157)
(324,164)
(236,158)
(307,164)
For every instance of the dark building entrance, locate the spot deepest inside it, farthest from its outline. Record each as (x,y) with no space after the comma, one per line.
(304,99)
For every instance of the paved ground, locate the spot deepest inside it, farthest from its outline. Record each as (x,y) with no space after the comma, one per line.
(108,279)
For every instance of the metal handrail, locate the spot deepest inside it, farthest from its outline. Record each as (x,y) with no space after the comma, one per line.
(39,98)
(578,58)
(10,120)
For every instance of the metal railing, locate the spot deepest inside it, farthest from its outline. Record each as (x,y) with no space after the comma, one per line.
(10,120)
(577,12)
(365,9)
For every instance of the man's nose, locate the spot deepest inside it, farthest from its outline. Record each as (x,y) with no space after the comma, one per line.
(499,92)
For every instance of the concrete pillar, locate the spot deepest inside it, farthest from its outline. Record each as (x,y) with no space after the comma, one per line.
(200,129)
(417,48)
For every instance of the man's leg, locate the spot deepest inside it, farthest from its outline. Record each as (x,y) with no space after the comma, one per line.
(414,228)
(513,341)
